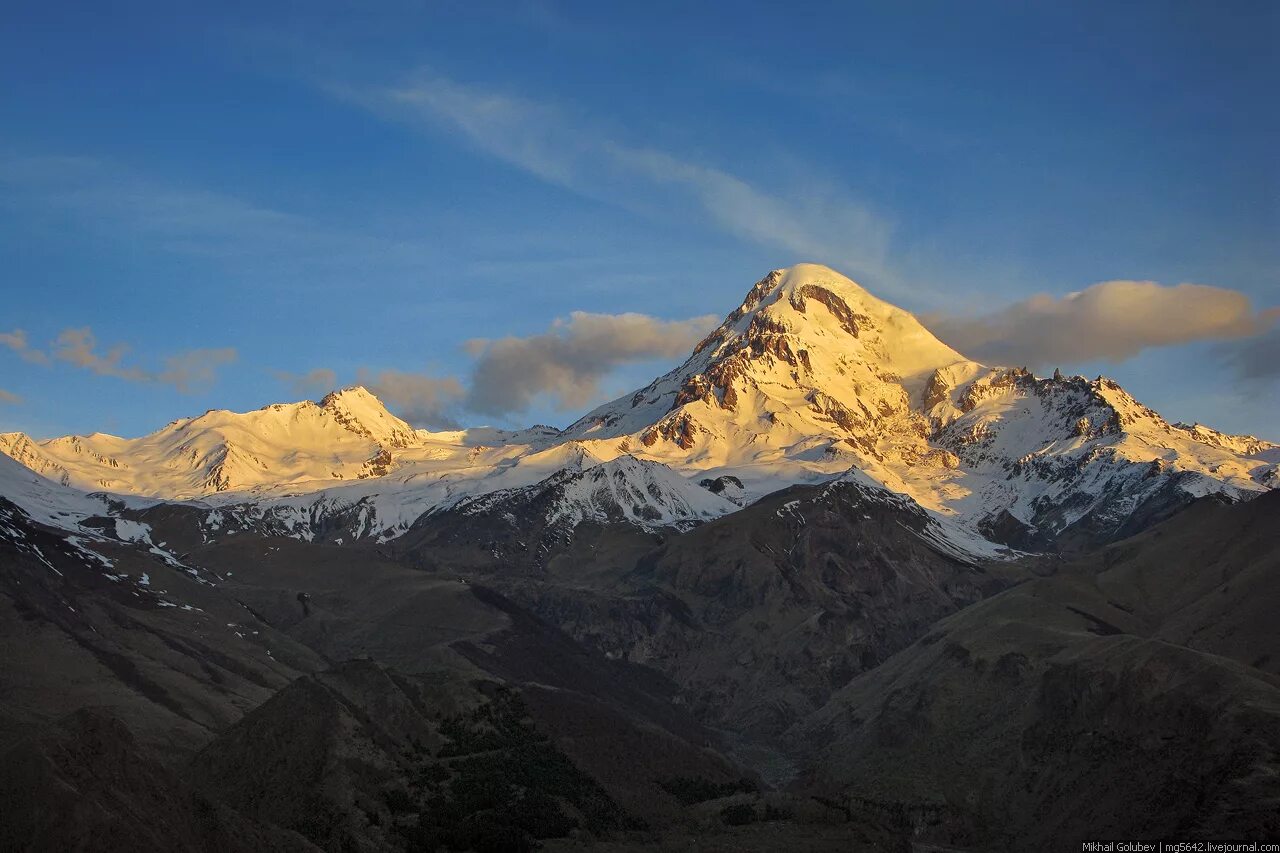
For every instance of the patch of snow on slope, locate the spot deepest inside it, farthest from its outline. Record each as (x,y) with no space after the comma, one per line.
(47,502)
(810,376)
(645,493)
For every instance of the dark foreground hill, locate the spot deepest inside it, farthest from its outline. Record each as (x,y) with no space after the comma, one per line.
(821,671)
(1134,693)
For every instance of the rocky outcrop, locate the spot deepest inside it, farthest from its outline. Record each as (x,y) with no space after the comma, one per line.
(849,319)
(681,429)
(379,465)
(808,377)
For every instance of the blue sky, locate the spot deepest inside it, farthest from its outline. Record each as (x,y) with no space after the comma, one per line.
(244,197)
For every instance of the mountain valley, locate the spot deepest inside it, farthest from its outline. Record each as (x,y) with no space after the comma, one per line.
(827,585)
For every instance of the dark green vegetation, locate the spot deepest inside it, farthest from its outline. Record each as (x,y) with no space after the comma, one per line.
(812,673)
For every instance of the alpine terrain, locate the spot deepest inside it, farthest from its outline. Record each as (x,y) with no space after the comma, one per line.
(828,584)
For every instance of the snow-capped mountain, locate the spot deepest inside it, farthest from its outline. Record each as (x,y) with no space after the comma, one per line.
(346,436)
(812,376)
(93,530)
(289,468)
(809,378)
(48,503)
(628,489)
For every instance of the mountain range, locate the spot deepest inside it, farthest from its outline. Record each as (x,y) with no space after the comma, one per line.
(809,378)
(826,585)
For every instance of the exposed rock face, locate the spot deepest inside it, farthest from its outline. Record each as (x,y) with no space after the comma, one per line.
(379,465)
(681,430)
(839,413)
(809,377)
(839,309)
(22,449)
(813,370)
(728,486)
(358,411)
(552,658)
(936,391)
(996,384)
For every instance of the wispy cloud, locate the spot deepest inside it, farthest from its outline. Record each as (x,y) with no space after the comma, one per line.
(819,226)
(553,144)
(186,371)
(79,347)
(194,369)
(1112,321)
(171,216)
(17,341)
(9,397)
(313,383)
(189,219)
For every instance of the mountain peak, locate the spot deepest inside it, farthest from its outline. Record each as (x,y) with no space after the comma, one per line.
(808,358)
(352,394)
(825,309)
(790,279)
(357,409)
(809,376)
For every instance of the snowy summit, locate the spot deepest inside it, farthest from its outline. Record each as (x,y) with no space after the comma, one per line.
(809,379)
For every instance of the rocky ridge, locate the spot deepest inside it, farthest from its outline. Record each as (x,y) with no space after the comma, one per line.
(809,377)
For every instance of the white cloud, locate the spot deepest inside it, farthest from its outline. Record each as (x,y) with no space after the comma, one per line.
(1112,321)
(833,230)
(9,397)
(552,144)
(186,371)
(535,137)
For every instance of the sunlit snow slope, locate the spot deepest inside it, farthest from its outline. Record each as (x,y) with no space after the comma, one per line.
(810,377)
